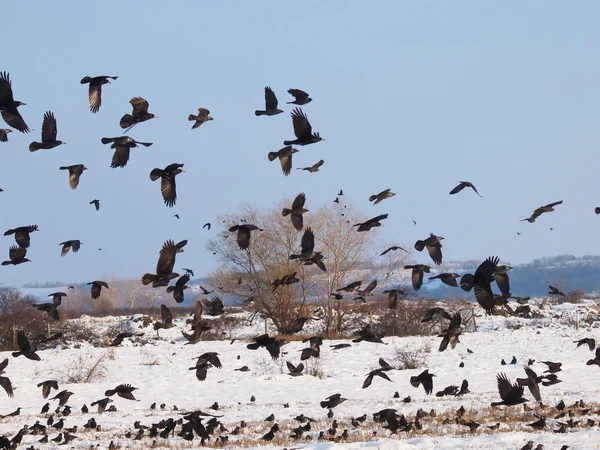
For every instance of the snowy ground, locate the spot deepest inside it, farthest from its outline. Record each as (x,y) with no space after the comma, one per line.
(160,370)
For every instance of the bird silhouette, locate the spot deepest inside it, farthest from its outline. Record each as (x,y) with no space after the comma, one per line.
(302,130)
(167,182)
(307,255)
(301,97)
(243,234)
(511,394)
(8,105)
(164,267)
(381,196)
(371,223)
(96,289)
(203,116)
(180,286)
(285,158)
(417,274)
(270,104)
(16,256)
(22,237)
(75,171)
(425,379)
(138,115)
(434,247)
(122,146)
(314,167)
(461,186)
(95,90)
(541,210)
(74,245)
(296,211)
(122,390)
(96,204)
(49,131)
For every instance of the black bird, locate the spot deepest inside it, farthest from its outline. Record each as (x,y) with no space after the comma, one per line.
(371,223)
(8,106)
(296,211)
(541,210)
(75,172)
(295,371)
(204,362)
(302,130)
(424,378)
(365,334)
(381,196)
(417,274)
(167,182)
(447,278)
(123,391)
(531,382)
(350,287)
(206,225)
(555,291)
(122,145)
(287,280)
(166,319)
(451,334)
(461,186)
(49,131)
(51,308)
(62,397)
(74,244)
(243,234)
(22,234)
(392,248)
(340,346)
(270,104)
(553,367)
(482,283)
(272,345)
(596,360)
(5,381)
(502,280)
(332,401)
(434,247)
(301,97)
(97,288)
(16,256)
(435,313)
(596,209)
(4,135)
(203,116)
(96,204)
(164,267)
(313,168)
(285,158)
(511,394)
(590,342)
(95,90)
(138,115)
(213,307)
(119,339)
(378,372)
(393,297)
(47,387)
(180,286)
(307,255)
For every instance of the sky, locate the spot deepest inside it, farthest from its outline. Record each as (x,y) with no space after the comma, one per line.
(412,96)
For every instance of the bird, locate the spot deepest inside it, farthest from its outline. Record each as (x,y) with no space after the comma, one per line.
(96,204)
(596,360)
(350,287)
(381,196)
(392,248)
(541,210)
(511,394)
(301,97)
(47,387)
(285,158)
(95,90)
(366,292)
(286,280)
(5,381)
(302,130)
(531,382)
(75,172)
(49,131)
(596,209)
(393,297)
(371,223)
(51,308)
(213,307)
(434,247)
(307,254)
(272,345)
(97,288)
(425,379)
(203,116)
(180,286)
(461,186)
(164,267)
(451,334)
(270,104)
(447,278)
(435,313)
(62,397)
(553,367)
(243,234)
(482,283)
(166,321)
(502,280)
(167,182)
(16,256)
(4,134)
(8,105)
(314,167)
(122,145)
(296,211)
(22,237)
(555,291)
(176,216)
(119,338)
(138,115)
(417,274)
(590,342)
(295,371)
(206,225)
(332,401)
(74,245)
(123,391)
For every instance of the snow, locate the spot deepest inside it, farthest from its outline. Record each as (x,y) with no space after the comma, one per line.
(159,369)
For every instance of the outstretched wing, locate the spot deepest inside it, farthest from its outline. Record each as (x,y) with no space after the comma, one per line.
(270,99)
(302,127)
(49,129)
(308,241)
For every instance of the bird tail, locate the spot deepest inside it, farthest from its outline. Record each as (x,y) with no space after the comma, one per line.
(110,392)
(324,404)
(107,140)
(372,197)
(34,146)
(156,174)
(148,278)
(85,80)
(63,168)
(286,212)
(289,142)
(253,346)
(145,144)
(419,245)
(294,256)
(15,354)
(272,156)
(170,289)
(127,121)
(192,117)
(260,113)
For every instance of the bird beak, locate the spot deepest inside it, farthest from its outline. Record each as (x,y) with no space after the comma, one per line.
(64,143)
(156,117)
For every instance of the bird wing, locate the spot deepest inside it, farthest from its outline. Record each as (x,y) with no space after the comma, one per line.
(197,312)
(286,163)
(417,279)
(13,118)
(504,386)
(182,280)
(167,317)
(243,237)
(95,97)
(16,253)
(273,349)
(503,283)
(168,190)
(166,259)
(372,285)
(298,94)
(482,288)
(5,383)
(74,175)
(435,251)
(23,342)
(319,164)
(297,221)
(455,321)
(49,129)
(140,106)
(121,156)
(6,94)
(302,127)
(298,202)
(3,365)
(384,364)
(368,380)
(551,205)
(457,189)
(75,245)
(270,99)
(308,241)
(203,114)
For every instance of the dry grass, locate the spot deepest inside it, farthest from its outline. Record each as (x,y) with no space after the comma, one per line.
(81,369)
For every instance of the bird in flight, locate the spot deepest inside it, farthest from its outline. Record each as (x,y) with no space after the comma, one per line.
(270,104)
(138,115)
(285,158)
(461,186)
(167,182)
(49,131)
(122,145)
(541,210)
(302,130)
(8,105)
(381,196)
(301,97)
(75,172)
(95,90)
(296,211)
(4,135)
(203,116)
(314,167)
(96,204)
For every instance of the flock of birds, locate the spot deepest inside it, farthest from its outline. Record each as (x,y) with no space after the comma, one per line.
(480,282)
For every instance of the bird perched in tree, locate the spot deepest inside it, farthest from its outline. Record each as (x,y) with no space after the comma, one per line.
(203,116)
(296,211)
(4,135)
(451,334)
(307,254)
(5,381)
(511,394)
(434,247)
(417,274)
(371,223)
(95,90)
(270,104)
(461,186)
(49,131)
(96,204)
(123,391)
(47,387)
(8,105)
(22,237)
(97,288)
(51,308)
(447,278)
(25,348)
(75,172)
(167,182)
(122,145)
(138,115)
(243,234)
(74,245)
(541,210)
(482,283)
(313,168)
(502,280)
(424,378)
(392,248)
(332,401)
(286,280)
(16,256)
(301,97)
(285,158)
(302,130)
(180,286)
(272,345)
(164,267)
(381,196)
(119,338)
(435,313)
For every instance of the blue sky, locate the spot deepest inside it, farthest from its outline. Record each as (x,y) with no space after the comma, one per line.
(410,96)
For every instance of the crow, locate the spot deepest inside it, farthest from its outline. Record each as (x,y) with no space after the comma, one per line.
(16,256)
(286,280)
(532,382)
(596,360)
(461,186)
(25,348)
(392,248)
(243,234)
(97,288)
(307,255)
(47,386)
(314,167)
(417,274)
(302,130)
(435,313)
(301,97)
(123,391)
(393,297)
(296,211)
(167,182)
(180,286)
(424,378)
(166,317)
(285,158)
(138,115)
(119,339)
(350,287)
(203,116)
(213,307)
(4,134)
(295,371)
(62,397)
(74,244)
(366,292)
(51,308)
(164,267)
(270,104)
(590,342)
(555,291)
(451,334)
(511,394)
(5,381)
(8,106)
(332,401)
(272,345)
(482,283)
(96,204)
(122,146)
(371,223)
(95,90)
(447,278)
(377,372)
(381,196)
(75,172)
(541,210)
(434,247)
(49,131)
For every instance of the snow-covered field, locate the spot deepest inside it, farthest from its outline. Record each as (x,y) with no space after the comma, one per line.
(159,369)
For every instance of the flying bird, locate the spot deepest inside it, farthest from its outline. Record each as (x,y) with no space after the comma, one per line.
(451,334)
(272,345)
(307,254)
(74,245)
(285,158)
(393,248)
(511,394)
(302,130)
(75,172)
(164,267)
(301,97)
(167,182)
(425,379)
(295,371)
(22,237)
(296,211)
(16,256)
(381,196)
(95,90)
(122,145)
(434,247)
(286,280)
(270,104)
(4,136)
(590,342)
(482,283)
(313,168)
(541,210)
(123,391)
(51,308)
(435,313)
(332,401)
(417,274)
(138,115)
(461,186)
(393,295)
(119,338)
(8,105)
(180,286)
(502,280)
(166,321)
(206,225)
(213,307)
(97,288)
(5,381)
(49,131)
(555,291)
(447,278)
(203,116)
(350,287)
(47,387)
(25,348)
(96,204)
(243,234)
(371,223)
